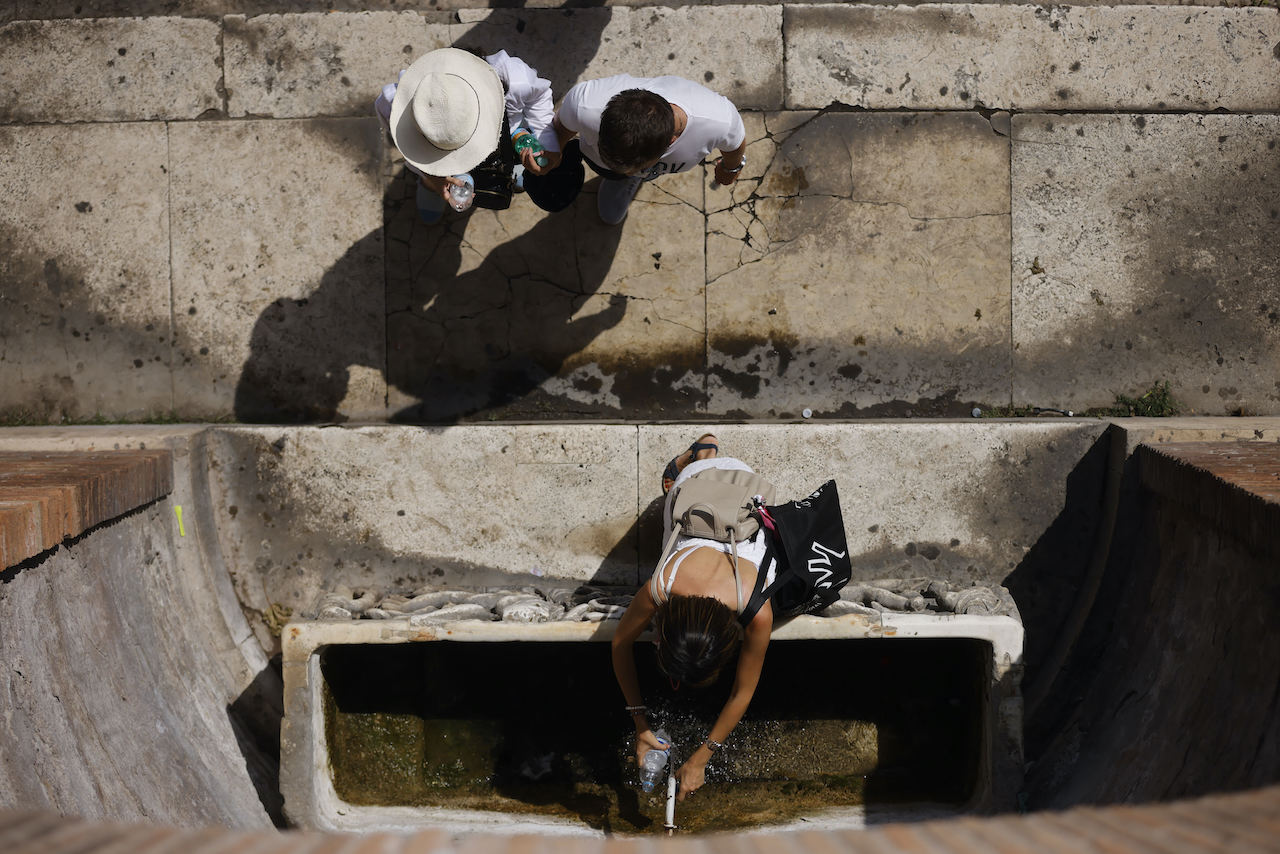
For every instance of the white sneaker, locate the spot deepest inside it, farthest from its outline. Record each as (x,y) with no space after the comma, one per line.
(615,198)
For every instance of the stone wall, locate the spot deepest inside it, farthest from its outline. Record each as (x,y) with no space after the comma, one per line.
(1169,691)
(945,205)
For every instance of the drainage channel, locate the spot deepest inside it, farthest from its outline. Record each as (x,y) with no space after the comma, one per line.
(519,727)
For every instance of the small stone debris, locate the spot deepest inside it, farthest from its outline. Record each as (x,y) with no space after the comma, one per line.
(587,603)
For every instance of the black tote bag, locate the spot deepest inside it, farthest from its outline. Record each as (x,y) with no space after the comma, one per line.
(806,538)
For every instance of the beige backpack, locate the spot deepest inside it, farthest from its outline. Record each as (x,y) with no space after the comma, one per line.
(720,505)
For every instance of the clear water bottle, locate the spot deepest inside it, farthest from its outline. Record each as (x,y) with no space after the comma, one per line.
(655,761)
(461,197)
(523,139)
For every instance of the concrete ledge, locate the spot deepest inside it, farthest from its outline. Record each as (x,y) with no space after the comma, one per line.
(320,64)
(112,69)
(48,497)
(945,56)
(307,785)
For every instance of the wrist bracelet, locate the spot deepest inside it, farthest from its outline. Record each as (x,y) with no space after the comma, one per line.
(713,746)
(636,710)
(735,171)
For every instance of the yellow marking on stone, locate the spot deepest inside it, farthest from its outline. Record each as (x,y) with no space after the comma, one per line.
(177,508)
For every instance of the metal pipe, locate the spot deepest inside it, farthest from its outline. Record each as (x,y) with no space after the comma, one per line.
(671,805)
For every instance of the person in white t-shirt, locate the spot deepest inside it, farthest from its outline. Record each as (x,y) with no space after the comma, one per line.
(635,129)
(446,117)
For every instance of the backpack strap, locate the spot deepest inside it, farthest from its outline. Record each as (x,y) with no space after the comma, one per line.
(655,581)
(759,593)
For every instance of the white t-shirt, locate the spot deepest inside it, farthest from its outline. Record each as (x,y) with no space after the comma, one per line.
(713,120)
(528,99)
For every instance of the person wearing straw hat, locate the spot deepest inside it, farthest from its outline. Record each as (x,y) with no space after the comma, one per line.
(452,112)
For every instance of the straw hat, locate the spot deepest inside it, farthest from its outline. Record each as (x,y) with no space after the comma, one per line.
(447,112)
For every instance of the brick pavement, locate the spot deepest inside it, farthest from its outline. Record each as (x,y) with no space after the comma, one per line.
(1239,823)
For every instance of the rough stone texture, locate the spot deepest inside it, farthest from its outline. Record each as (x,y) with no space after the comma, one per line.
(964,502)
(667,317)
(278,287)
(42,9)
(1144,249)
(126,667)
(1032,57)
(568,46)
(121,69)
(84,272)
(138,600)
(301,510)
(1179,606)
(320,64)
(844,282)
(516,314)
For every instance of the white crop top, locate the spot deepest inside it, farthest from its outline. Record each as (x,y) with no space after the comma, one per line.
(752,550)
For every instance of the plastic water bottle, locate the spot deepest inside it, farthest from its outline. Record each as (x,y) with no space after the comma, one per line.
(522,139)
(461,197)
(654,762)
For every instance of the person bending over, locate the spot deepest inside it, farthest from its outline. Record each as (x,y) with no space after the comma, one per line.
(702,619)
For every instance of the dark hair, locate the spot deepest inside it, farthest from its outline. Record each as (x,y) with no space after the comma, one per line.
(697,636)
(635,129)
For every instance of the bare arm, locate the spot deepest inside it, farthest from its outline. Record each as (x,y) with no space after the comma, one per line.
(747,676)
(729,166)
(634,621)
(563,134)
(439,184)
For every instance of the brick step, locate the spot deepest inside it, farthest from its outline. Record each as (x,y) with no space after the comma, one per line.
(49,496)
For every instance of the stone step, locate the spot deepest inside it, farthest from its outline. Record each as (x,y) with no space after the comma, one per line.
(928,57)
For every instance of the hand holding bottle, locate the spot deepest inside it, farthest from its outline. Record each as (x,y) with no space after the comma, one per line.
(523,140)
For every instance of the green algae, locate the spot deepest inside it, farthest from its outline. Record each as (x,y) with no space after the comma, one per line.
(538,729)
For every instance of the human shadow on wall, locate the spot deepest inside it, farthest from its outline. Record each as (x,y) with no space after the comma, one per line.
(463,331)
(469,333)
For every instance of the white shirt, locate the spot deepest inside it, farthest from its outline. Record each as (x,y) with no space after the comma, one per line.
(713,120)
(528,100)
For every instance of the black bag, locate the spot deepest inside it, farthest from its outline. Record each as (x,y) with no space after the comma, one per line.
(493,177)
(807,541)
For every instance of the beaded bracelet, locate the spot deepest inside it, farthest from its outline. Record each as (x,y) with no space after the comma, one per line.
(636,710)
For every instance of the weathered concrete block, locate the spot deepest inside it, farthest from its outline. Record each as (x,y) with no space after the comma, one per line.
(518,314)
(862,268)
(400,507)
(277,269)
(84,306)
(109,69)
(1144,250)
(320,64)
(962,502)
(572,45)
(1032,57)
